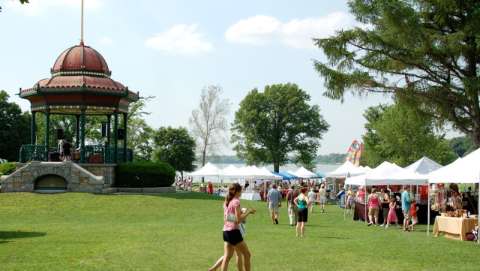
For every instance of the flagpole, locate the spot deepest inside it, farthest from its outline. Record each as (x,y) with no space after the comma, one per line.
(81,22)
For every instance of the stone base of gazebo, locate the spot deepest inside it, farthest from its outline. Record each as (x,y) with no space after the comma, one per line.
(59,176)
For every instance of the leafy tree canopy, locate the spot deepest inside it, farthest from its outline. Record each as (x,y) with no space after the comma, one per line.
(278,122)
(399,134)
(462,145)
(14,128)
(425,52)
(176,147)
(21,1)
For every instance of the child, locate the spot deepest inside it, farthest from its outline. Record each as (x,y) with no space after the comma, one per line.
(242,229)
(413,214)
(392,213)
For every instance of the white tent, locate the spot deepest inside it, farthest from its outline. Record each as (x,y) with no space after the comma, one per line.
(424,165)
(377,176)
(209,170)
(232,171)
(345,170)
(259,173)
(304,173)
(463,170)
(267,173)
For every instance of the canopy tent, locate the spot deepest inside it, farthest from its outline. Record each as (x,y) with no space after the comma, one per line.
(266,174)
(380,175)
(285,175)
(232,171)
(346,170)
(304,173)
(424,165)
(320,174)
(209,170)
(462,170)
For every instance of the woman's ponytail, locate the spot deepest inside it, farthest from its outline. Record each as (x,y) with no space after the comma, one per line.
(233,189)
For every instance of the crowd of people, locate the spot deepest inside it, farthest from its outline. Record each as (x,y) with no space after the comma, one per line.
(300,201)
(299,205)
(185,183)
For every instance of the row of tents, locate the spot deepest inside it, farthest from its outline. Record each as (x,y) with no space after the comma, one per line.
(422,172)
(464,170)
(216,174)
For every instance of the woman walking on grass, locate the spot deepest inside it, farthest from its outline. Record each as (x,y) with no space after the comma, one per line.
(232,217)
(373,207)
(322,193)
(301,201)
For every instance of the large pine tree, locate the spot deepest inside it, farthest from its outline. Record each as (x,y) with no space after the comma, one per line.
(425,52)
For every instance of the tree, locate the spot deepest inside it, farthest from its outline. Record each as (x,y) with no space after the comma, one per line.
(140,134)
(278,122)
(425,52)
(176,147)
(209,121)
(461,145)
(21,1)
(14,128)
(399,134)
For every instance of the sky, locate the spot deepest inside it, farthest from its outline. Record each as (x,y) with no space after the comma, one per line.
(171,49)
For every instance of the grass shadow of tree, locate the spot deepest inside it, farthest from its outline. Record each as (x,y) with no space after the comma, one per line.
(189,195)
(6,236)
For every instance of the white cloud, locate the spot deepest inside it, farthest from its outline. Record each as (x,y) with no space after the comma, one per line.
(296,33)
(106,41)
(257,30)
(37,7)
(180,39)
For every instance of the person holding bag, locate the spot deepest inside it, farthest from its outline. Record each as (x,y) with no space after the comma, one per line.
(232,236)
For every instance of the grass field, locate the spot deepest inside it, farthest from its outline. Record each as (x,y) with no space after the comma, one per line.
(183,232)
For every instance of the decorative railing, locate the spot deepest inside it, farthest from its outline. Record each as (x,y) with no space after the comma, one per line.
(94,154)
(33,153)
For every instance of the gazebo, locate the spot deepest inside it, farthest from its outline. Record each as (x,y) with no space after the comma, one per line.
(80,85)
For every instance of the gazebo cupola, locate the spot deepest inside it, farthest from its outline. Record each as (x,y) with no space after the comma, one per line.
(80,85)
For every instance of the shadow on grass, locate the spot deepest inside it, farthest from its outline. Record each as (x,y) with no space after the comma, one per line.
(189,195)
(333,237)
(5,236)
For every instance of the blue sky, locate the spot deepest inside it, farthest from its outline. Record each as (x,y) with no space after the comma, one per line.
(172,49)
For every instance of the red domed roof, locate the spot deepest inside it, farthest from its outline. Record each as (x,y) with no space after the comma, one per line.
(81,58)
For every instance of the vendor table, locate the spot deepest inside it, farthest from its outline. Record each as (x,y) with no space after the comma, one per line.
(251,196)
(245,195)
(455,227)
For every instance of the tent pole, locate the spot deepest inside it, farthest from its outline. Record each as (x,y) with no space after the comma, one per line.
(428,210)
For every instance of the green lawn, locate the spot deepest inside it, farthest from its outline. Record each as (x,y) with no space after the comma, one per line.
(183,232)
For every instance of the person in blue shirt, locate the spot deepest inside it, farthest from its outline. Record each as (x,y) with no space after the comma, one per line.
(406,206)
(274,199)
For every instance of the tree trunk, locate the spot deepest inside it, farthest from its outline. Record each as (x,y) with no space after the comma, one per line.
(476,135)
(204,157)
(276,167)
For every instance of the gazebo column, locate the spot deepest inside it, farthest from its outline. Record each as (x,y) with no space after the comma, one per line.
(125,122)
(47,132)
(115,137)
(109,134)
(82,137)
(77,131)
(33,129)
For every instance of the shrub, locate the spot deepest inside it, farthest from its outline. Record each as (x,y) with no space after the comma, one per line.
(144,174)
(7,168)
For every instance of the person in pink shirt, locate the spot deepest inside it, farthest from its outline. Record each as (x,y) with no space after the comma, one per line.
(232,217)
(373,207)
